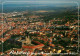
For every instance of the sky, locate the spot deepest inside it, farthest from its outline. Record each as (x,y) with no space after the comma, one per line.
(45,1)
(60,2)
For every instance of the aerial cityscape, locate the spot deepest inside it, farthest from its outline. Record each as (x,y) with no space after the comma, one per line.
(39,29)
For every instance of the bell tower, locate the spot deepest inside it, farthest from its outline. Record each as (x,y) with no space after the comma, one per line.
(28,41)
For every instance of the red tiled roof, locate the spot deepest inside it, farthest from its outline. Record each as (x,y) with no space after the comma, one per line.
(32,47)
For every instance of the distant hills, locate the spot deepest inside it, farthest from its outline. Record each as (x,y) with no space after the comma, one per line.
(35,7)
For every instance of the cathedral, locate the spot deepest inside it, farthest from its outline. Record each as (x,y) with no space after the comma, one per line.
(27,41)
